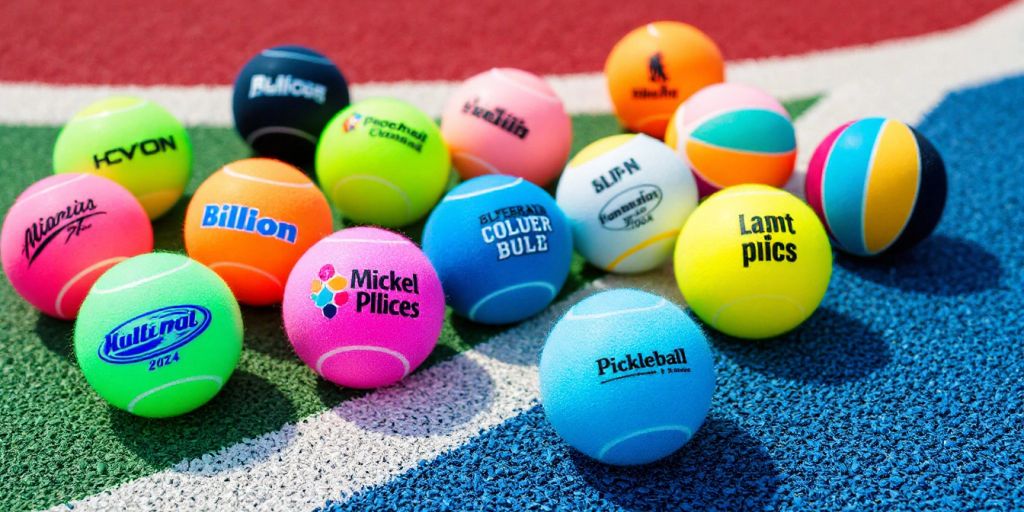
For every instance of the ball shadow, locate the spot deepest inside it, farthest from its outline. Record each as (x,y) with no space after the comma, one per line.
(56,335)
(829,348)
(264,333)
(247,407)
(939,265)
(423,404)
(722,468)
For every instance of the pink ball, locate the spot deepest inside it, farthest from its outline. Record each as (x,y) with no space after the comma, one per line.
(507,121)
(363,307)
(63,232)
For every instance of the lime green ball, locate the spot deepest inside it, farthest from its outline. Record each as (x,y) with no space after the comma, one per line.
(158,335)
(132,141)
(383,162)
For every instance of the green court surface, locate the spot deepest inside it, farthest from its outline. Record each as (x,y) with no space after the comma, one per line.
(64,443)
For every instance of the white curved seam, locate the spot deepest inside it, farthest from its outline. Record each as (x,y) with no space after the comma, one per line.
(365,241)
(285,54)
(71,282)
(143,281)
(375,179)
(477,160)
(51,188)
(369,348)
(250,268)
(664,428)
(489,296)
(476,193)
(233,173)
(287,130)
(544,96)
(185,380)
(110,112)
(590,316)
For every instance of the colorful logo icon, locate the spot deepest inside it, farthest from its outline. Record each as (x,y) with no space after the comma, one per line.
(328,290)
(352,122)
(656,69)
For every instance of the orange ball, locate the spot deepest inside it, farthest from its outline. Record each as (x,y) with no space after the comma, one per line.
(251,221)
(656,67)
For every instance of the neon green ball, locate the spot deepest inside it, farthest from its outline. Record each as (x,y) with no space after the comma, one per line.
(158,335)
(132,141)
(383,162)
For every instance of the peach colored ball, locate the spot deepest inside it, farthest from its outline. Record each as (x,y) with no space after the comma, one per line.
(63,232)
(507,121)
(363,307)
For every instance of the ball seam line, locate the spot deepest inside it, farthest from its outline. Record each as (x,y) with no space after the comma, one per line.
(867,180)
(369,348)
(650,430)
(824,176)
(233,173)
(67,286)
(185,380)
(741,151)
(365,241)
(250,268)
(143,281)
(286,130)
(544,96)
(285,54)
(55,187)
(375,179)
(105,113)
(641,246)
(476,193)
(572,315)
(532,284)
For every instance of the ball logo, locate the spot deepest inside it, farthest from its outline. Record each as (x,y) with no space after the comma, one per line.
(497,116)
(147,147)
(286,85)
(655,74)
(154,333)
(615,175)
(630,209)
(328,291)
(376,293)
(517,230)
(351,122)
(611,369)
(237,217)
(767,249)
(71,222)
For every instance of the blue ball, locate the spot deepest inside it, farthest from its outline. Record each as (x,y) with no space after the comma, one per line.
(283,99)
(626,377)
(501,247)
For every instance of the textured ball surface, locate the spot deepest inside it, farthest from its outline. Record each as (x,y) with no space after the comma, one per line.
(626,197)
(501,246)
(363,307)
(132,141)
(507,121)
(251,221)
(283,99)
(656,67)
(753,261)
(878,186)
(158,335)
(382,161)
(732,134)
(626,377)
(63,232)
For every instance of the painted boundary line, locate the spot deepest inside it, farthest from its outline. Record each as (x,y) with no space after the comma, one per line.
(968,53)
(367,441)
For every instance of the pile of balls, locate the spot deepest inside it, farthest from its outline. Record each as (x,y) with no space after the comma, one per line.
(626,376)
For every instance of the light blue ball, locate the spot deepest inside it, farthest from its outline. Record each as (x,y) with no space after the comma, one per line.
(501,247)
(626,377)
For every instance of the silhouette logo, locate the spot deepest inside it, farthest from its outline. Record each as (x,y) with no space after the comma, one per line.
(655,69)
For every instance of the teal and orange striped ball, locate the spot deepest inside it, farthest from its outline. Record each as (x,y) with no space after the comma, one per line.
(878,185)
(731,134)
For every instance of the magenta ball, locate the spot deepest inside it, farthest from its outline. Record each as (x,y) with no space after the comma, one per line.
(63,232)
(363,307)
(507,121)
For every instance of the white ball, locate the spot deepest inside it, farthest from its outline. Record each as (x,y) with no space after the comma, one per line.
(626,196)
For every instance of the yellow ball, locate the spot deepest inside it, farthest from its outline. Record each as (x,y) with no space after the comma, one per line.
(753,261)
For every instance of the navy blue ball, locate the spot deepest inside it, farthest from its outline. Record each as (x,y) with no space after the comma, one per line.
(501,246)
(284,98)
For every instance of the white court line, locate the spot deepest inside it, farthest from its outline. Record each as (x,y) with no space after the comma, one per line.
(335,454)
(975,52)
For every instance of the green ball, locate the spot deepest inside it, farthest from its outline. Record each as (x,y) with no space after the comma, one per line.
(383,162)
(132,141)
(158,335)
